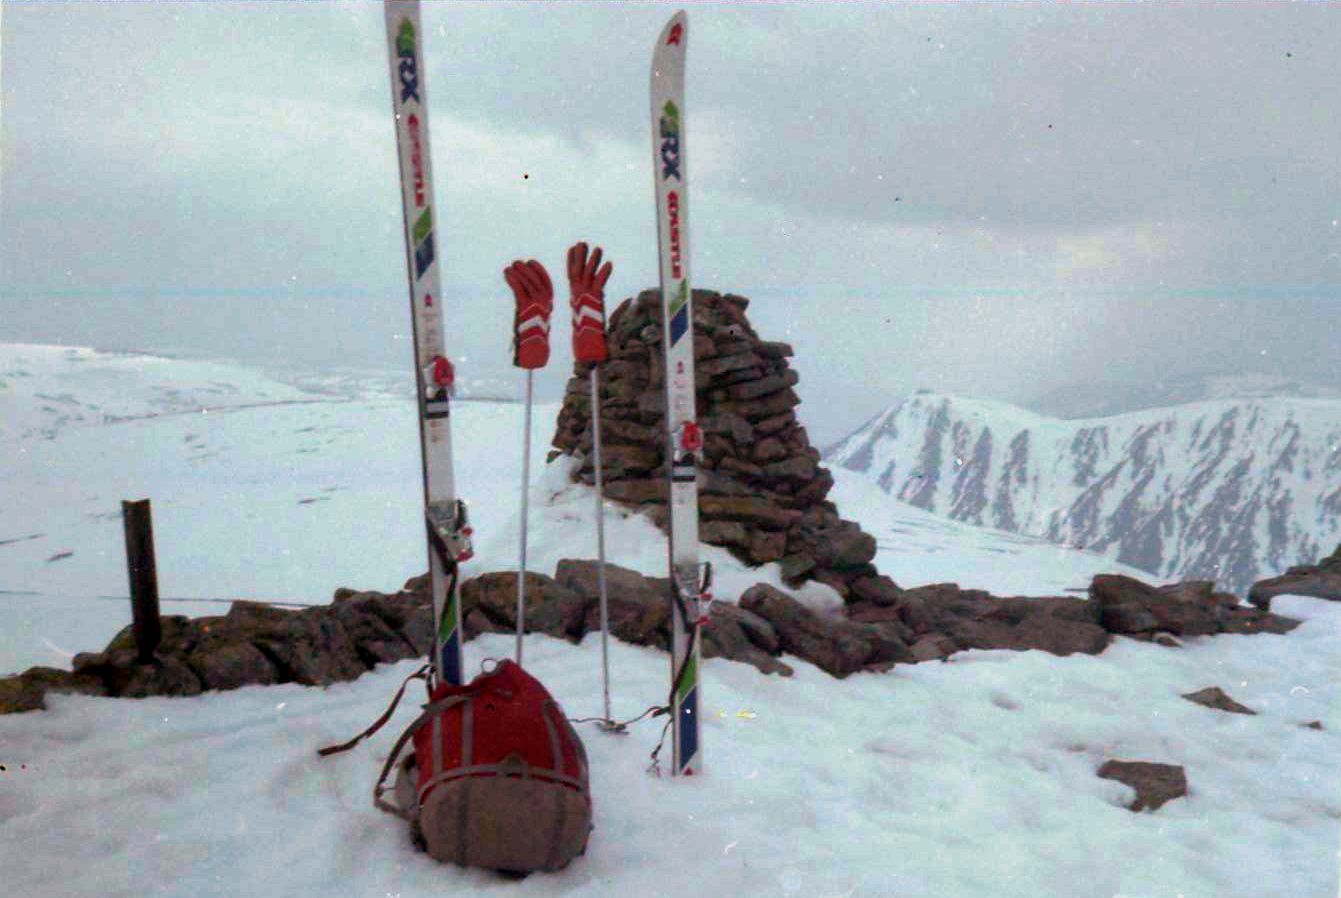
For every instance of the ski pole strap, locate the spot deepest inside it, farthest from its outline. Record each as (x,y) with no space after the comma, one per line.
(654,767)
(431,710)
(621,726)
(420,674)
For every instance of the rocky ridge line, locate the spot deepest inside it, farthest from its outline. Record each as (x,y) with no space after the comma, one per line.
(258,644)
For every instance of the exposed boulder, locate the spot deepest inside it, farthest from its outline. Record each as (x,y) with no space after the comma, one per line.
(1059,625)
(878,590)
(28,691)
(309,646)
(1155,784)
(943,618)
(734,633)
(253,644)
(1215,698)
(1128,607)
(495,595)
(834,644)
(221,664)
(1321,581)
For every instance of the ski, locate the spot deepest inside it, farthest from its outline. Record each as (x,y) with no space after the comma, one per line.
(684,439)
(445,515)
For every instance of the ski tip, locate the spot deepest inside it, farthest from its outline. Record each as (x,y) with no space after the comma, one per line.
(675,32)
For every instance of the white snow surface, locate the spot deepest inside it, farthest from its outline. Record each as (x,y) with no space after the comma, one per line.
(971,777)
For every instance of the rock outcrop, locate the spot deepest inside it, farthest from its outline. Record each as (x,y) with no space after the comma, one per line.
(1132,608)
(258,644)
(1155,783)
(1217,699)
(1321,581)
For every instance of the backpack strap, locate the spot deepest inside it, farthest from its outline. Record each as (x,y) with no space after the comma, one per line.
(420,674)
(430,712)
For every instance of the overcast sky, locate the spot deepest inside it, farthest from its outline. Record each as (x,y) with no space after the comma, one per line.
(994,200)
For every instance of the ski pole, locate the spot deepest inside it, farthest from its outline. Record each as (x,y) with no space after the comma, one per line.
(586,282)
(600,534)
(534,294)
(525,497)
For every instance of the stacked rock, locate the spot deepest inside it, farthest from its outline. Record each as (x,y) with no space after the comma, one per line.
(761,488)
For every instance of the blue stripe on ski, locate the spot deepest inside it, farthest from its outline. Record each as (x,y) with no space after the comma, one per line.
(679,324)
(423,256)
(450,662)
(688,727)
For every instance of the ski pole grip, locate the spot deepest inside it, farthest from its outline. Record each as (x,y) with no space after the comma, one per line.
(586,284)
(534,294)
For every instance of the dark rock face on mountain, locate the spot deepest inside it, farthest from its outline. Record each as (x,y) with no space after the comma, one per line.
(1224,490)
(761,488)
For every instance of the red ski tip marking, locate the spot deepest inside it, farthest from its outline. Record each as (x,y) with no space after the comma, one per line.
(676,33)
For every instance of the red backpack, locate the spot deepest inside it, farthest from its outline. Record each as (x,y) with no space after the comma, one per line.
(498,776)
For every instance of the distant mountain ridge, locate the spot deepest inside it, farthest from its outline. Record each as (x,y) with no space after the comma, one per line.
(1102,399)
(1229,490)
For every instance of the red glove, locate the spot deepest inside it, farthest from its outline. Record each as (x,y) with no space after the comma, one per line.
(535,300)
(586,281)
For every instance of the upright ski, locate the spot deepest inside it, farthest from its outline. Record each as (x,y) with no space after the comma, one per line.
(684,439)
(445,514)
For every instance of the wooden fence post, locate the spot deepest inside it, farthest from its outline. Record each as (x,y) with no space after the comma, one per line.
(143,578)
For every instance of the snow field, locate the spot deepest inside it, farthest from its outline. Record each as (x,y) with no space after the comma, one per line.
(965,778)
(970,777)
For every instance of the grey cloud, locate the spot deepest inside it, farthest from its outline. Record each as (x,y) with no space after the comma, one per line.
(1028,192)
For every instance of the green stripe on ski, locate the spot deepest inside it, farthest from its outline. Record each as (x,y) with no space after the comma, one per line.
(670,120)
(423,225)
(688,677)
(449,615)
(682,297)
(405,39)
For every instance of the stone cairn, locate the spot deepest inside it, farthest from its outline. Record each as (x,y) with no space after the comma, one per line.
(761,488)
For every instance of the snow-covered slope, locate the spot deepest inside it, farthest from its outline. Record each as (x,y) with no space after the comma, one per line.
(972,777)
(285,490)
(1230,489)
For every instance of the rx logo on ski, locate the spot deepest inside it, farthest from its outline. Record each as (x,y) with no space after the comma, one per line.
(670,141)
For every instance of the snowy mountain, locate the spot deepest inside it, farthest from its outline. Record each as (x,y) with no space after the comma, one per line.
(1226,489)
